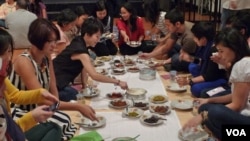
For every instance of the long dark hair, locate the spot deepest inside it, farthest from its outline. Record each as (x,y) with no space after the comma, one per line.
(6,42)
(152,11)
(234,40)
(133,16)
(100,6)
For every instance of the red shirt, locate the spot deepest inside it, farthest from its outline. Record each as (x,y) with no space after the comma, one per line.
(133,36)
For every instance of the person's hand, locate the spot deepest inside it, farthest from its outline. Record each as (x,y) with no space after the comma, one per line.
(233,4)
(193,122)
(87,111)
(48,98)
(217,59)
(123,85)
(41,114)
(182,80)
(144,56)
(126,39)
(201,101)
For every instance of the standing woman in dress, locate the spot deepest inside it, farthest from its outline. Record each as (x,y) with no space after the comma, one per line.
(106,46)
(38,8)
(131,28)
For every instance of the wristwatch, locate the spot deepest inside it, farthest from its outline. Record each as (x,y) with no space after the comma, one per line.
(191,82)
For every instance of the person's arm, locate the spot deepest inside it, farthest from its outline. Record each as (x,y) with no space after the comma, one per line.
(221,99)
(122,30)
(239,96)
(141,29)
(85,59)
(53,88)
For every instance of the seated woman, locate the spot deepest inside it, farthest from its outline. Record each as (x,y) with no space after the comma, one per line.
(10,94)
(205,72)
(106,46)
(65,22)
(75,59)
(34,69)
(7,7)
(234,55)
(131,28)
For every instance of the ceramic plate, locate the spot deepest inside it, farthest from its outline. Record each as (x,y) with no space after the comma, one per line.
(145,117)
(102,71)
(182,104)
(134,43)
(176,88)
(129,62)
(118,104)
(132,113)
(136,91)
(191,135)
(98,63)
(115,95)
(133,69)
(161,109)
(123,139)
(118,71)
(158,98)
(104,58)
(87,123)
(88,93)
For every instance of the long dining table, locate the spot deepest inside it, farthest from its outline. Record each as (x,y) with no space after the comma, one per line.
(120,126)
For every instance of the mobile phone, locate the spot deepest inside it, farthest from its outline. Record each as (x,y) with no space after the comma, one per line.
(215,91)
(53,107)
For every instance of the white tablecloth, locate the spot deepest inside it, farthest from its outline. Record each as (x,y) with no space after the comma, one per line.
(117,126)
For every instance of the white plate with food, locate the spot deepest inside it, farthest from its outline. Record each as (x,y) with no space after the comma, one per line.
(174,87)
(118,71)
(115,95)
(133,69)
(102,71)
(184,104)
(118,104)
(132,112)
(161,109)
(90,92)
(142,104)
(152,119)
(129,62)
(134,43)
(193,134)
(87,123)
(158,98)
(98,63)
(104,58)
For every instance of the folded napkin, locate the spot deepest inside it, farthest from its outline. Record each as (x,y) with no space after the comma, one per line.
(89,136)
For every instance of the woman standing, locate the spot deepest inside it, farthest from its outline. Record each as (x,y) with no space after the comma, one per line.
(131,28)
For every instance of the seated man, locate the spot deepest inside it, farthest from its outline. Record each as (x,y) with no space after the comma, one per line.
(205,73)
(180,37)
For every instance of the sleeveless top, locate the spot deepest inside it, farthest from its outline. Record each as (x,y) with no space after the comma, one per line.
(60,118)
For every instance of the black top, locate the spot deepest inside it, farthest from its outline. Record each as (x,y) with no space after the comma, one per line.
(66,70)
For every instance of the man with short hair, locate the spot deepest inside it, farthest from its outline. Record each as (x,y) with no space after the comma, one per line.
(18,23)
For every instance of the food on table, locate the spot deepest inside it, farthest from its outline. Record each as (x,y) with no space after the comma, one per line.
(158,98)
(152,119)
(161,109)
(115,95)
(118,70)
(140,104)
(119,103)
(133,114)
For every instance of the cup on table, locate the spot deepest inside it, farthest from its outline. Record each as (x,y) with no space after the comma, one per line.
(80,98)
(173,74)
